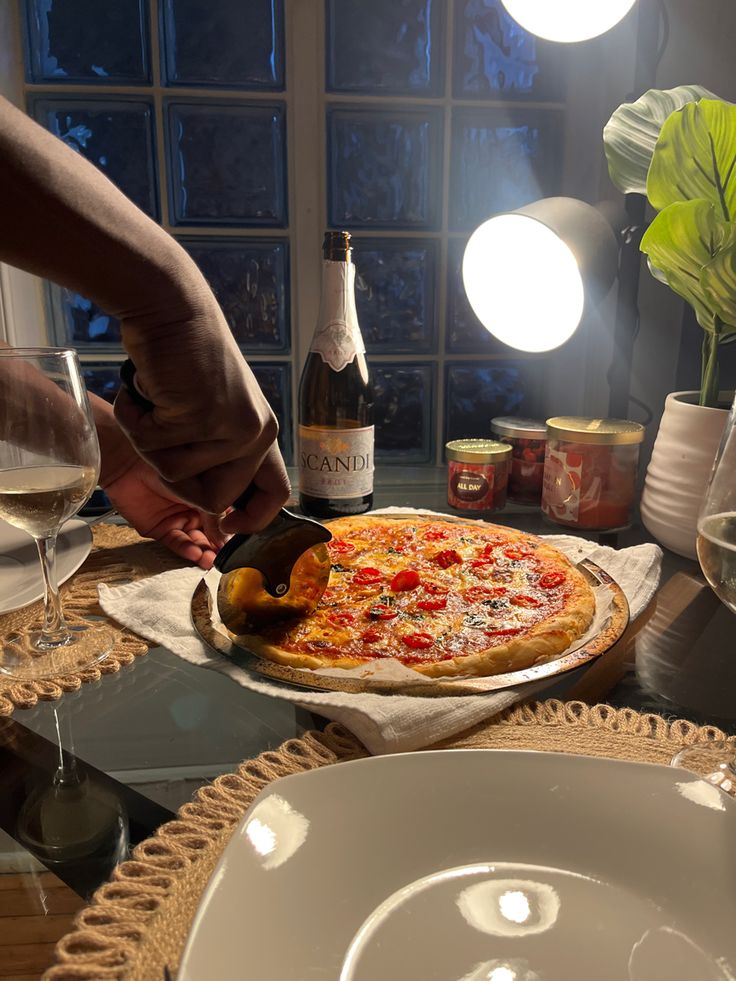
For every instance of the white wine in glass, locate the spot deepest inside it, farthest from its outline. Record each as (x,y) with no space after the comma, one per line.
(49,465)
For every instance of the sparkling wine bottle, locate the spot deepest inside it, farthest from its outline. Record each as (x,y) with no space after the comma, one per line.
(336,398)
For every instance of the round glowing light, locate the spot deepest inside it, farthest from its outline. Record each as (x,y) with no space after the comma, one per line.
(568,20)
(523,283)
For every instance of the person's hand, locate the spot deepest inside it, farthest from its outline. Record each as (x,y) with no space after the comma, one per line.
(211,432)
(155,511)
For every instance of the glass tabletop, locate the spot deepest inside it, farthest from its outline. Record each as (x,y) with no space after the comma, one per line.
(137,744)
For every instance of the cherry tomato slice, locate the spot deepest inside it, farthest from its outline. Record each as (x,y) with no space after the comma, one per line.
(341,616)
(340,546)
(367,576)
(521,599)
(434,604)
(551,579)
(382,612)
(405,580)
(447,558)
(370,636)
(419,641)
(435,535)
(515,553)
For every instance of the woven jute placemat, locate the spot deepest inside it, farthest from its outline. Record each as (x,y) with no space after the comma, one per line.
(118,555)
(136,925)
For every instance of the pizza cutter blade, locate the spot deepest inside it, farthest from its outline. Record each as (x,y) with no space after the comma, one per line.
(279,572)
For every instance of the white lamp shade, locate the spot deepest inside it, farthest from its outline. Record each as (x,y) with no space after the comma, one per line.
(523,283)
(568,20)
(527,273)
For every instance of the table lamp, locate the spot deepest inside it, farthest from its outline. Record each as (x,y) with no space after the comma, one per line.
(529,273)
(568,20)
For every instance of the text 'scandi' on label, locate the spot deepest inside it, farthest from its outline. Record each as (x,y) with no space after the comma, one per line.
(335,462)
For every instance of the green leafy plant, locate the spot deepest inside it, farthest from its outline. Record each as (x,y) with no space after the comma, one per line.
(679,148)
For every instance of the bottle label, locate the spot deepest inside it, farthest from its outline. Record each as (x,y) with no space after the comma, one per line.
(337,338)
(336,462)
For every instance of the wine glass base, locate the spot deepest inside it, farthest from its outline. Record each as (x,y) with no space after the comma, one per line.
(714,762)
(21,661)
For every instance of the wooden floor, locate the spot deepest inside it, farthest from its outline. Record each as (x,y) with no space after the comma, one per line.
(36,909)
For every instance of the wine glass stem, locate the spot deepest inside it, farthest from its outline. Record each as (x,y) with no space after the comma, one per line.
(54,632)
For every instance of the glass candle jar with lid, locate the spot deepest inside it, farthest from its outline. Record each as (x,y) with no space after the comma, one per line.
(590,469)
(527,439)
(478,471)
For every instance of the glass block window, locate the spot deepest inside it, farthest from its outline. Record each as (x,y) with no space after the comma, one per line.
(85,325)
(384,168)
(477,392)
(227,163)
(101,379)
(115,135)
(228,44)
(404,412)
(495,58)
(501,160)
(250,278)
(247,129)
(385,47)
(87,41)
(395,294)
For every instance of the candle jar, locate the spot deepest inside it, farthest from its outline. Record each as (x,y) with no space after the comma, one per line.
(527,439)
(477,474)
(590,471)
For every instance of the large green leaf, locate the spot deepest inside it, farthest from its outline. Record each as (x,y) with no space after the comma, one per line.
(718,279)
(631,133)
(681,240)
(695,157)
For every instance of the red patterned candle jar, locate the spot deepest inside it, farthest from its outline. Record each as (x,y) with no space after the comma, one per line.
(590,471)
(478,473)
(527,439)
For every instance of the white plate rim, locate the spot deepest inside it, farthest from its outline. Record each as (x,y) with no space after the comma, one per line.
(674,776)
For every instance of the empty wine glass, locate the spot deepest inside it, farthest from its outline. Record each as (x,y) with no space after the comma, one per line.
(716,545)
(49,465)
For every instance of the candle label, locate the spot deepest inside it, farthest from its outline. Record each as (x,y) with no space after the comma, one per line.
(563,474)
(470,487)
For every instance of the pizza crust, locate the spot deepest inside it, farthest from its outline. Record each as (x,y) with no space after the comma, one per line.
(542,641)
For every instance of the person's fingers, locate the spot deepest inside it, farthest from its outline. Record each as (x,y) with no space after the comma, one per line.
(181,544)
(180,463)
(216,489)
(272,492)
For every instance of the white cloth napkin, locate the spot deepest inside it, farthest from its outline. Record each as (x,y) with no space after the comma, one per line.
(159,610)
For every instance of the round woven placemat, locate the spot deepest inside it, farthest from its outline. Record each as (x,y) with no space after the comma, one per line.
(118,555)
(136,924)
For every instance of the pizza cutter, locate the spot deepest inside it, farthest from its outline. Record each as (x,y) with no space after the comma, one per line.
(278,572)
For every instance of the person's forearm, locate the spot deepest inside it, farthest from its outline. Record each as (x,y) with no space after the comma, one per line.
(62,219)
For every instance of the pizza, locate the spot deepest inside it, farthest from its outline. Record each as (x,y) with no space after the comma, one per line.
(442,597)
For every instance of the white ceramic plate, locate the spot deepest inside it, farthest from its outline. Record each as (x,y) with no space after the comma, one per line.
(475,865)
(20,570)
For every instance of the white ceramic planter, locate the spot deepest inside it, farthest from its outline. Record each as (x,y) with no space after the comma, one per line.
(682,458)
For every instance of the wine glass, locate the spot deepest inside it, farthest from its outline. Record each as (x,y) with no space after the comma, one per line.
(49,465)
(716,546)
